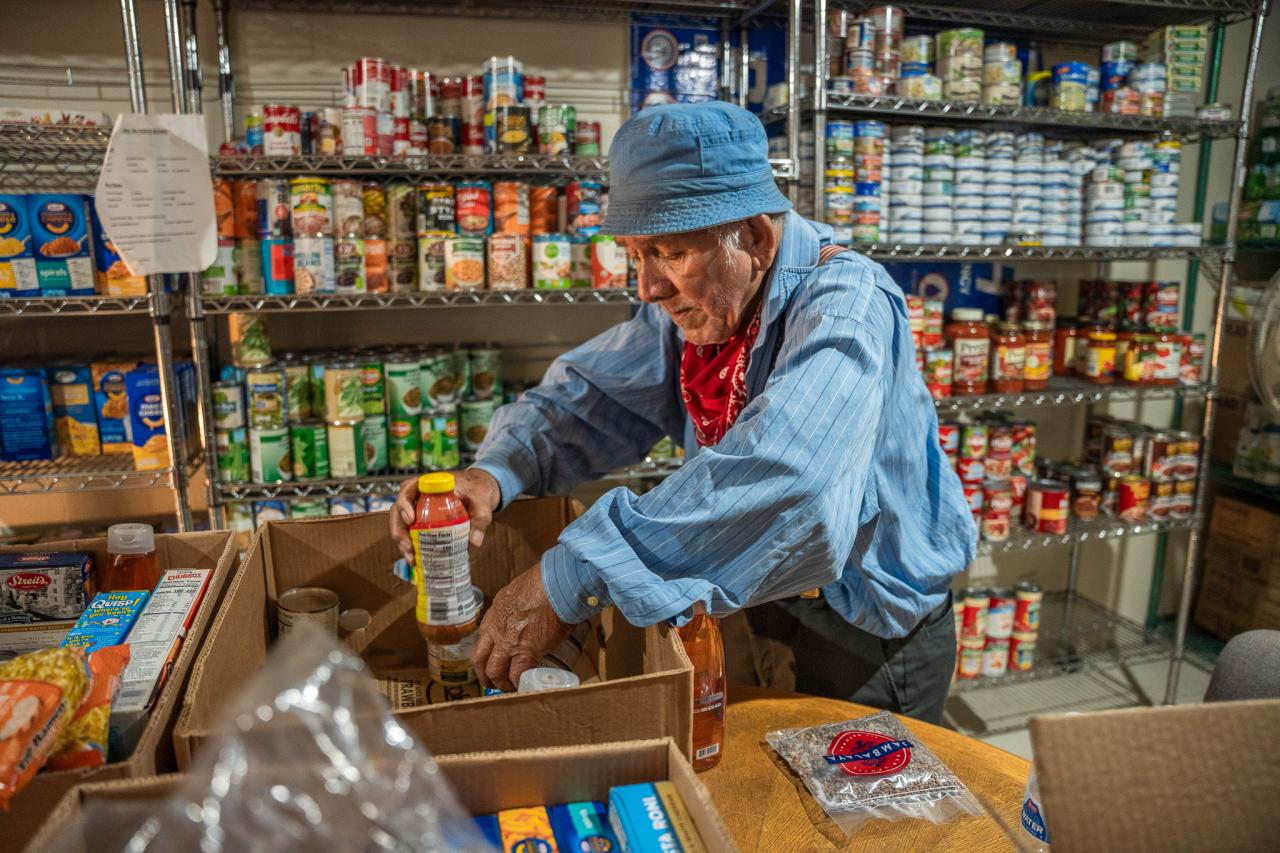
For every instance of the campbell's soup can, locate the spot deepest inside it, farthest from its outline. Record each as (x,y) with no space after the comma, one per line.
(608,263)
(275,210)
(371,82)
(348,265)
(474,207)
(348,207)
(431,275)
(281,130)
(311,205)
(359,131)
(435,208)
(277,266)
(313,270)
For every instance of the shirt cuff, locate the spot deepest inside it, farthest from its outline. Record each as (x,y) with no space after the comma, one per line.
(507,463)
(575,591)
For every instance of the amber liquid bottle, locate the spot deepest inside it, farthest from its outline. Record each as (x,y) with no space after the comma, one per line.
(704,645)
(131,559)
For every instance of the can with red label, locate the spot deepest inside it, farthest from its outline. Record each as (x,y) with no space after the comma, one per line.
(937,371)
(1026,611)
(1184,499)
(544,209)
(359,131)
(1133,498)
(999,467)
(608,263)
(1192,371)
(474,207)
(1022,449)
(973,496)
(949,437)
(281,130)
(933,323)
(1047,507)
(277,266)
(586,139)
(972,471)
(973,444)
(1000,440)
(385,124)
(1161,501)
(997,500)
(995,657)
(973,604)
(534,89)
(1022,651)
(1001,606)
(471,89)
(1018,488)
(970,657)
(371,83)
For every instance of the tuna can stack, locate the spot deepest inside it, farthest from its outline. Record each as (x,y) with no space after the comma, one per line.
(1135,162)
(886,23)
(838,182)
(1166,162)
(997,218)
(1001,75)
(869,167)
(969,186)
(1028,169)
(1057,192)
(939,184)
(960,64)
(916,79)
(906,193)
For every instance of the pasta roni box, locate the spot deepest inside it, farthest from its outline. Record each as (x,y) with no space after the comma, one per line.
(106,621)
(111,404)
(111,274)
(26,416)
(42,594)
(17,264)
(146,418)
(60,243)
(74,418)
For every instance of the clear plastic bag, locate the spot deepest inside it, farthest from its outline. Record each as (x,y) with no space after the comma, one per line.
(309,758)
(872,767)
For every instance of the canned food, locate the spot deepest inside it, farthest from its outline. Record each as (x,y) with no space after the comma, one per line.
(248,261)
(1133,498)
(373,206)
(277,265)
(1184,499)
(274,208)
(511,129)
(1022,651)
(317,368)
(373,388)
(311,206)
(474,207)
(557,124)
(402,265)
(508,262)
(375,266)
(435,209)
(552,262)
(269,460)
(973,444)
(974,603)
(486,372)
(222,278)
(1117,449)
(475,415)
(949,437)
(313,270)
(1187,459)
(404,396)
(450,663)
(938,372)
(608,262)
(402,212)
(971,654)
(297,384)
(310,445)
(360,132)
(346,449)
(584,209)
(1086,493)
(972,471)
(431,267)
(264,511)
(580,260)
(348,265)
(586,139)
(228,405)
(438,432)
(995,657)
(232,448)
(343,391)
(997,497)
(1000,613)
(1160,506)
(348,506)
(281,130)
(375,443)
(265,389)
(309,509)
(511,207)
(1026,613)
(1047,507)
(464,263)
(403,454)
(348,208)
(544,209)
(437,380)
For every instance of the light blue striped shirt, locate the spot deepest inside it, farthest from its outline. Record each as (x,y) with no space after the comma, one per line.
(832,476)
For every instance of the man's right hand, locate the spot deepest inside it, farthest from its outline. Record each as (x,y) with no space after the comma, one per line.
(479,493)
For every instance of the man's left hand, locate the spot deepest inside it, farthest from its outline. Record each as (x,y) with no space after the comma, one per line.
(519,629)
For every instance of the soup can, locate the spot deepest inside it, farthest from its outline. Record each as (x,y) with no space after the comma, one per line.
(343,391)
(375,443)
(265,390)
(403,454)
(232,448)
(474,207)
(269,455)
(313,269)
(486,372)
(404,395)
(1046,509)
(434,211)
(552,262)
(995,657)
(311,205)
(511,125)
(431,267)
(436,380)
(309,442)
(508,262)
(438,433)
(346,448)
(359,132)
(228,405)
(281,130)
(474,417)
(348,207)
(464,263)
(348,265)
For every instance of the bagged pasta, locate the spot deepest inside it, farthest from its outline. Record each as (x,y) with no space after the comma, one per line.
(83,743)
(39,692)
(872,767)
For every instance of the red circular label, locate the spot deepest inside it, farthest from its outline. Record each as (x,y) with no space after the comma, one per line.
(856,742)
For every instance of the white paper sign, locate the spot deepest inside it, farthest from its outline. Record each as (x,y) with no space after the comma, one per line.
(154,195)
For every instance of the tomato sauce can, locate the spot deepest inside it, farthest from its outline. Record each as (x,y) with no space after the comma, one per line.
(311,206)
(997,499)
(973,444)
(1026,613)
(995,657)
(937,372)
(1022,449)
(1046,509)
(970,657)
(275,209)
(1022,651)
(277,266)
(1001,607)
(608,263)
(474,207)
(949,437)
(281,130)
(1133,497)
(974,603)
(359,132)
(974,497)
(435,208)
(1192,368)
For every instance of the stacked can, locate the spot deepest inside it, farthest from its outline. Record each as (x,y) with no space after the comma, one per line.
(997,213)
(1070,92)
(1104,207)
(436,222)
(838,198)
(1118,96)
(1136,163)
(939,184)
(1001,75)
(997,630)
(1058,193)
(868,167)
(960,64)
(368,124)
(860,58)
(887,22)
(906,184)
(247,227)
(916,79)
(1166,162)
(1028,168)
(969,187)
(1151,82)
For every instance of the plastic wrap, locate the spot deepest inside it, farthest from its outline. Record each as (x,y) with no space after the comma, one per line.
(309,758)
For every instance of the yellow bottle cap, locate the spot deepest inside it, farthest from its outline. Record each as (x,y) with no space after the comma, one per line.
(435,484)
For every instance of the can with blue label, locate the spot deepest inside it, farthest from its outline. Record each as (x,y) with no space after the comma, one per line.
(277,265)
(839,139)
(347,506)
(264,511)
(17,263)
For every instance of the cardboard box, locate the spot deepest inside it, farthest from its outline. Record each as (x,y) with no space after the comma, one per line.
(485,782)
(154,752)
(1188,777)
(637,683)
(1240,579)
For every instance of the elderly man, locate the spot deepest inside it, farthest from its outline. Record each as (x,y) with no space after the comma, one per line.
(786,368)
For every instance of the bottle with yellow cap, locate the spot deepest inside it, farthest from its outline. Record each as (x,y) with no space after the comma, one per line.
(447,608)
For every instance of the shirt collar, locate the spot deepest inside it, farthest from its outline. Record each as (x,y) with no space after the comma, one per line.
(796,258)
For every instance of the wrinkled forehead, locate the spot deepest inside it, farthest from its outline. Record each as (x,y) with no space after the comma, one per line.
(703,237)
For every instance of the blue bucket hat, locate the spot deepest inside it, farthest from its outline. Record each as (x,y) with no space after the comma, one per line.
(682,167)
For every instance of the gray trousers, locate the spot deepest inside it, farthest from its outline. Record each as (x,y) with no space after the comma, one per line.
(909,676)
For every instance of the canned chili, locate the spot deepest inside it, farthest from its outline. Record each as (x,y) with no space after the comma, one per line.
(1046,509)
(1133,498)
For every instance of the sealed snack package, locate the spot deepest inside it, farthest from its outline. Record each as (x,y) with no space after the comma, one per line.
(39,692)
(84,741)
(872,767)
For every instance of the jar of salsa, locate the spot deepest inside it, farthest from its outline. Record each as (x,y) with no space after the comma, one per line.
(1064,348)
(1008,359)
(1139,359)
(1040,355)
(971,347)
(1100,362)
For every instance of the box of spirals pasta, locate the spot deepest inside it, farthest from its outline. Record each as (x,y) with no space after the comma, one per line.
(17,263)
(60,243)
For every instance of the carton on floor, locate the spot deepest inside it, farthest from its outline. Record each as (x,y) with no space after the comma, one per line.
(154,751)
(637,683)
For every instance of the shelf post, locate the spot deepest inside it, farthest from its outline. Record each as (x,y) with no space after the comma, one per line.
(820,67)
(793,95)
(744,65)
(1195,543)
(726,62)
(226,80)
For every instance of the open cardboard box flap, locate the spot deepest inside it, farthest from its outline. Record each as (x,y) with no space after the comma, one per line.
(154,752)
(638,683)
(1191,777)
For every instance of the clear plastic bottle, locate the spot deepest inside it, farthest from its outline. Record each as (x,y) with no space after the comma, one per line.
(1035,829)
(704,645)
(440,534)
(132,562)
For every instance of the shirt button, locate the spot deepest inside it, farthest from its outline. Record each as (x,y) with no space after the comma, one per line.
(592,601)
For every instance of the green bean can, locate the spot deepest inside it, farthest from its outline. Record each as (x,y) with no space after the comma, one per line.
(346,449)
(317,367)
(375,392)
(310,444)
(343,391)
(436,379)
(486,372)
(438,429)
(402,444)
(474,419)
(265,390)
(404,394)
(269,457)
(460,362)
(375,443)
(228,405)
(309,509)
(233,455)
(297,383)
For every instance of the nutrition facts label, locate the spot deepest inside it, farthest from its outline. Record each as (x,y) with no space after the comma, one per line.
(154,194)
(444,578)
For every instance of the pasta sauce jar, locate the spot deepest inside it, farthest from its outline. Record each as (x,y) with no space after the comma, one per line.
(1008,359)
(1039,360)
(971,347)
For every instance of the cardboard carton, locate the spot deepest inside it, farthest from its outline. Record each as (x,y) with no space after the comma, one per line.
(154,751)
(1188,777)
(487,782)
(1240,583)
(637,683)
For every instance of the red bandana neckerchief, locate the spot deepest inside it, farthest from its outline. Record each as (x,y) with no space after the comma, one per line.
(713,381)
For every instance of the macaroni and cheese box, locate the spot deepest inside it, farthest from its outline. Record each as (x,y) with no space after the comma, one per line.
(110,272)
(106,621)
(42,594)
(26,416)
(146,418)
(60,244)
(17,264)
(74,418)
(111,404)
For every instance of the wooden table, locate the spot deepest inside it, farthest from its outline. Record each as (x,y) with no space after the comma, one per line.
(768,808)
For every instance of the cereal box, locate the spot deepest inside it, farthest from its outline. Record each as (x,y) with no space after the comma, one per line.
(111,404)
(74,418)
(146,418)
(110,272)
(60,244)
(26,416)
(106,621)
(17,264)
(41,596)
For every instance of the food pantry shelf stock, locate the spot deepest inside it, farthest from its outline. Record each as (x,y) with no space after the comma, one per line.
(84,474)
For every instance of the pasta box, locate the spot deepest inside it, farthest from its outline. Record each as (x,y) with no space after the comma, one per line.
(42,594)
(111,404)
(110,272)
(17,264)
(60,243)
(146,418)
(74,418)
(26,416)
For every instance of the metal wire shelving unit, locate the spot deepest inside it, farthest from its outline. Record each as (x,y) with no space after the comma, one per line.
(263,303)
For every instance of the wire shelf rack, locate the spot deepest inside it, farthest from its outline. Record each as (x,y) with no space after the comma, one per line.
(80,474)
(1070,392)
(76,305)
(1099,530)
(41,157)
(417,299)
(412,168)
(960,252)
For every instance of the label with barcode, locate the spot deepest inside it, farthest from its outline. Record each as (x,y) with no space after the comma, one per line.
(443,574)
(708,751)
